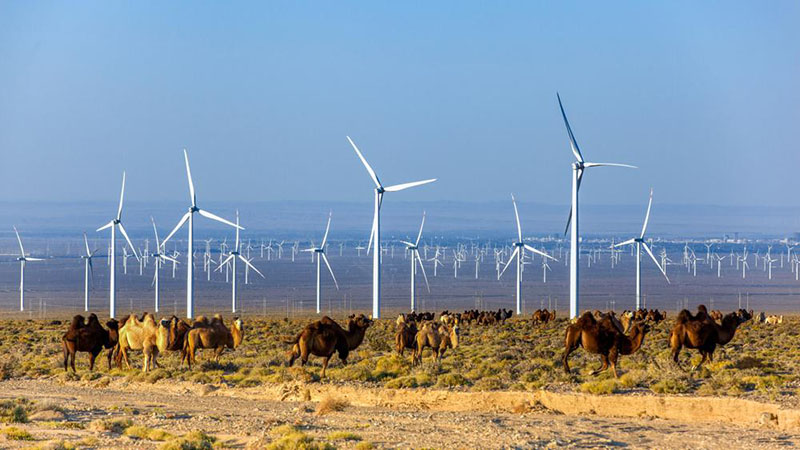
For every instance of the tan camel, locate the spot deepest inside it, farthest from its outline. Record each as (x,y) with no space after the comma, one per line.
(216,335)
(438,337)
(138,334)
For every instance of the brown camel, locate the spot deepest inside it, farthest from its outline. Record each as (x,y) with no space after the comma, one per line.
(438,337)
(405,337)
(215,335)
(543,316)
(324,337)
(604,338)
(701,332)
(91,338)
(138,334)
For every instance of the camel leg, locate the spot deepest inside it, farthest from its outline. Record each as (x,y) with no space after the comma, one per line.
(325,365)
(110,353)
(92,357)
(218,352)
(72,359)
(613,357)
(705,355)
(66,354)
(603,366)
(124,351)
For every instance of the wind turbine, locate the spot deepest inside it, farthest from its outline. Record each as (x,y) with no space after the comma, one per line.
(640,242)
(232,257)
(415,258)
(578,167)
(113,224)
(190,253)
(160,257)
(320,252)
(375,235)
(519,252)
(22,260)
(87,267)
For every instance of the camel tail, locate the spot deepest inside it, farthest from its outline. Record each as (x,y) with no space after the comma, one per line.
(293,341)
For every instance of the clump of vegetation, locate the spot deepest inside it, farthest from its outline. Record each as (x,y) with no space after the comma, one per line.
(288,437)
(670,386)
(331,404)
(196,440)
(16,434)
(343,436)
(14,411)
(151,434)
(602,387)
(111,425)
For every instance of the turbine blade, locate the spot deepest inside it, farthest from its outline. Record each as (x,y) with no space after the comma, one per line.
(407,243)
(177,227)
(226,261)
(372,232)
(628,242)
(511,258)
(647,216)
(251,266)
(211,216)
(419,236)
(328,265)
(189,177)
(121,196)
(400,187)
(125,233)
(173,260)
(327,228)
(86,242)
(21,250)
(539,252)
(572,142)
(424,275)
(516,214)
(34,259)
(591,164)
(366,164)
(653,257)
(108,225)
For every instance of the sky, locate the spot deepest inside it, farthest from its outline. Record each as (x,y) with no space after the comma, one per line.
(702,96)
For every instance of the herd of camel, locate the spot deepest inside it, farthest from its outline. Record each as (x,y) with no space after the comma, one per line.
(605,334)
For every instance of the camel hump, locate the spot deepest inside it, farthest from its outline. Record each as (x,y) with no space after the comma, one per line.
(684,316)
(77,322)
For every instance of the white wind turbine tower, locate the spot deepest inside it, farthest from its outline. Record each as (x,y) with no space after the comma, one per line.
(22,260)
(87,267)
(232,257)
(578,168)
(190,252)
(113,224)
(640,242)
(415,258)
(519,252)
(375,235)
(320,252)
(159,258)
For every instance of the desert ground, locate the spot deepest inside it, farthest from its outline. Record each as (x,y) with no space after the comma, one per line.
(503,387)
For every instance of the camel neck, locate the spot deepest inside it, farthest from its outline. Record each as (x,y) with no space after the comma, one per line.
(238,335)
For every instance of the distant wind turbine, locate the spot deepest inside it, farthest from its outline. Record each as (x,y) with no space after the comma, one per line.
(232,257)
(190,252)
(22,260)
(640,242)
(113,224)
(320,252)
(375,235)
(519,252)
(578,167)
(160,258)
(416,259)
(87,269)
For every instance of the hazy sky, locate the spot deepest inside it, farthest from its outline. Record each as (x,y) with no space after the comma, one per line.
(703,96)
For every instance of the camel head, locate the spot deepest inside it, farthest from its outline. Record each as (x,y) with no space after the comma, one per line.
(361,322)
(455,332)
(237,332)
(164,334)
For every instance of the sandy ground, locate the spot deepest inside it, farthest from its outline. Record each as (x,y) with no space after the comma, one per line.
(238,417)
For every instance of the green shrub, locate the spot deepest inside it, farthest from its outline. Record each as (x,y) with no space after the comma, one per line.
(601,387)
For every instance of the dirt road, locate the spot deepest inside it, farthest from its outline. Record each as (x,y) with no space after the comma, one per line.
(238,418)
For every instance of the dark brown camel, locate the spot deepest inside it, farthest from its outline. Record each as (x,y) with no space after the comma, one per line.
(405,337)
(701,332)
(604,338)
(91,338)
(325,336)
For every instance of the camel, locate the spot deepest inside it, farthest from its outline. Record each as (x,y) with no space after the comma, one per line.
(604,338)
(171,334)
(701,332)
(543,316)
(716,315)
(91,338)
(405,337)
(774,320)
(324,337)
(436,336)
(214,335)
(138,334)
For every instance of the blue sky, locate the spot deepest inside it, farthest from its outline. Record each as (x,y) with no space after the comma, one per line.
(703,96)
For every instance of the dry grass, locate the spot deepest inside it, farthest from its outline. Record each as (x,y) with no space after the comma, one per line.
(331,404)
